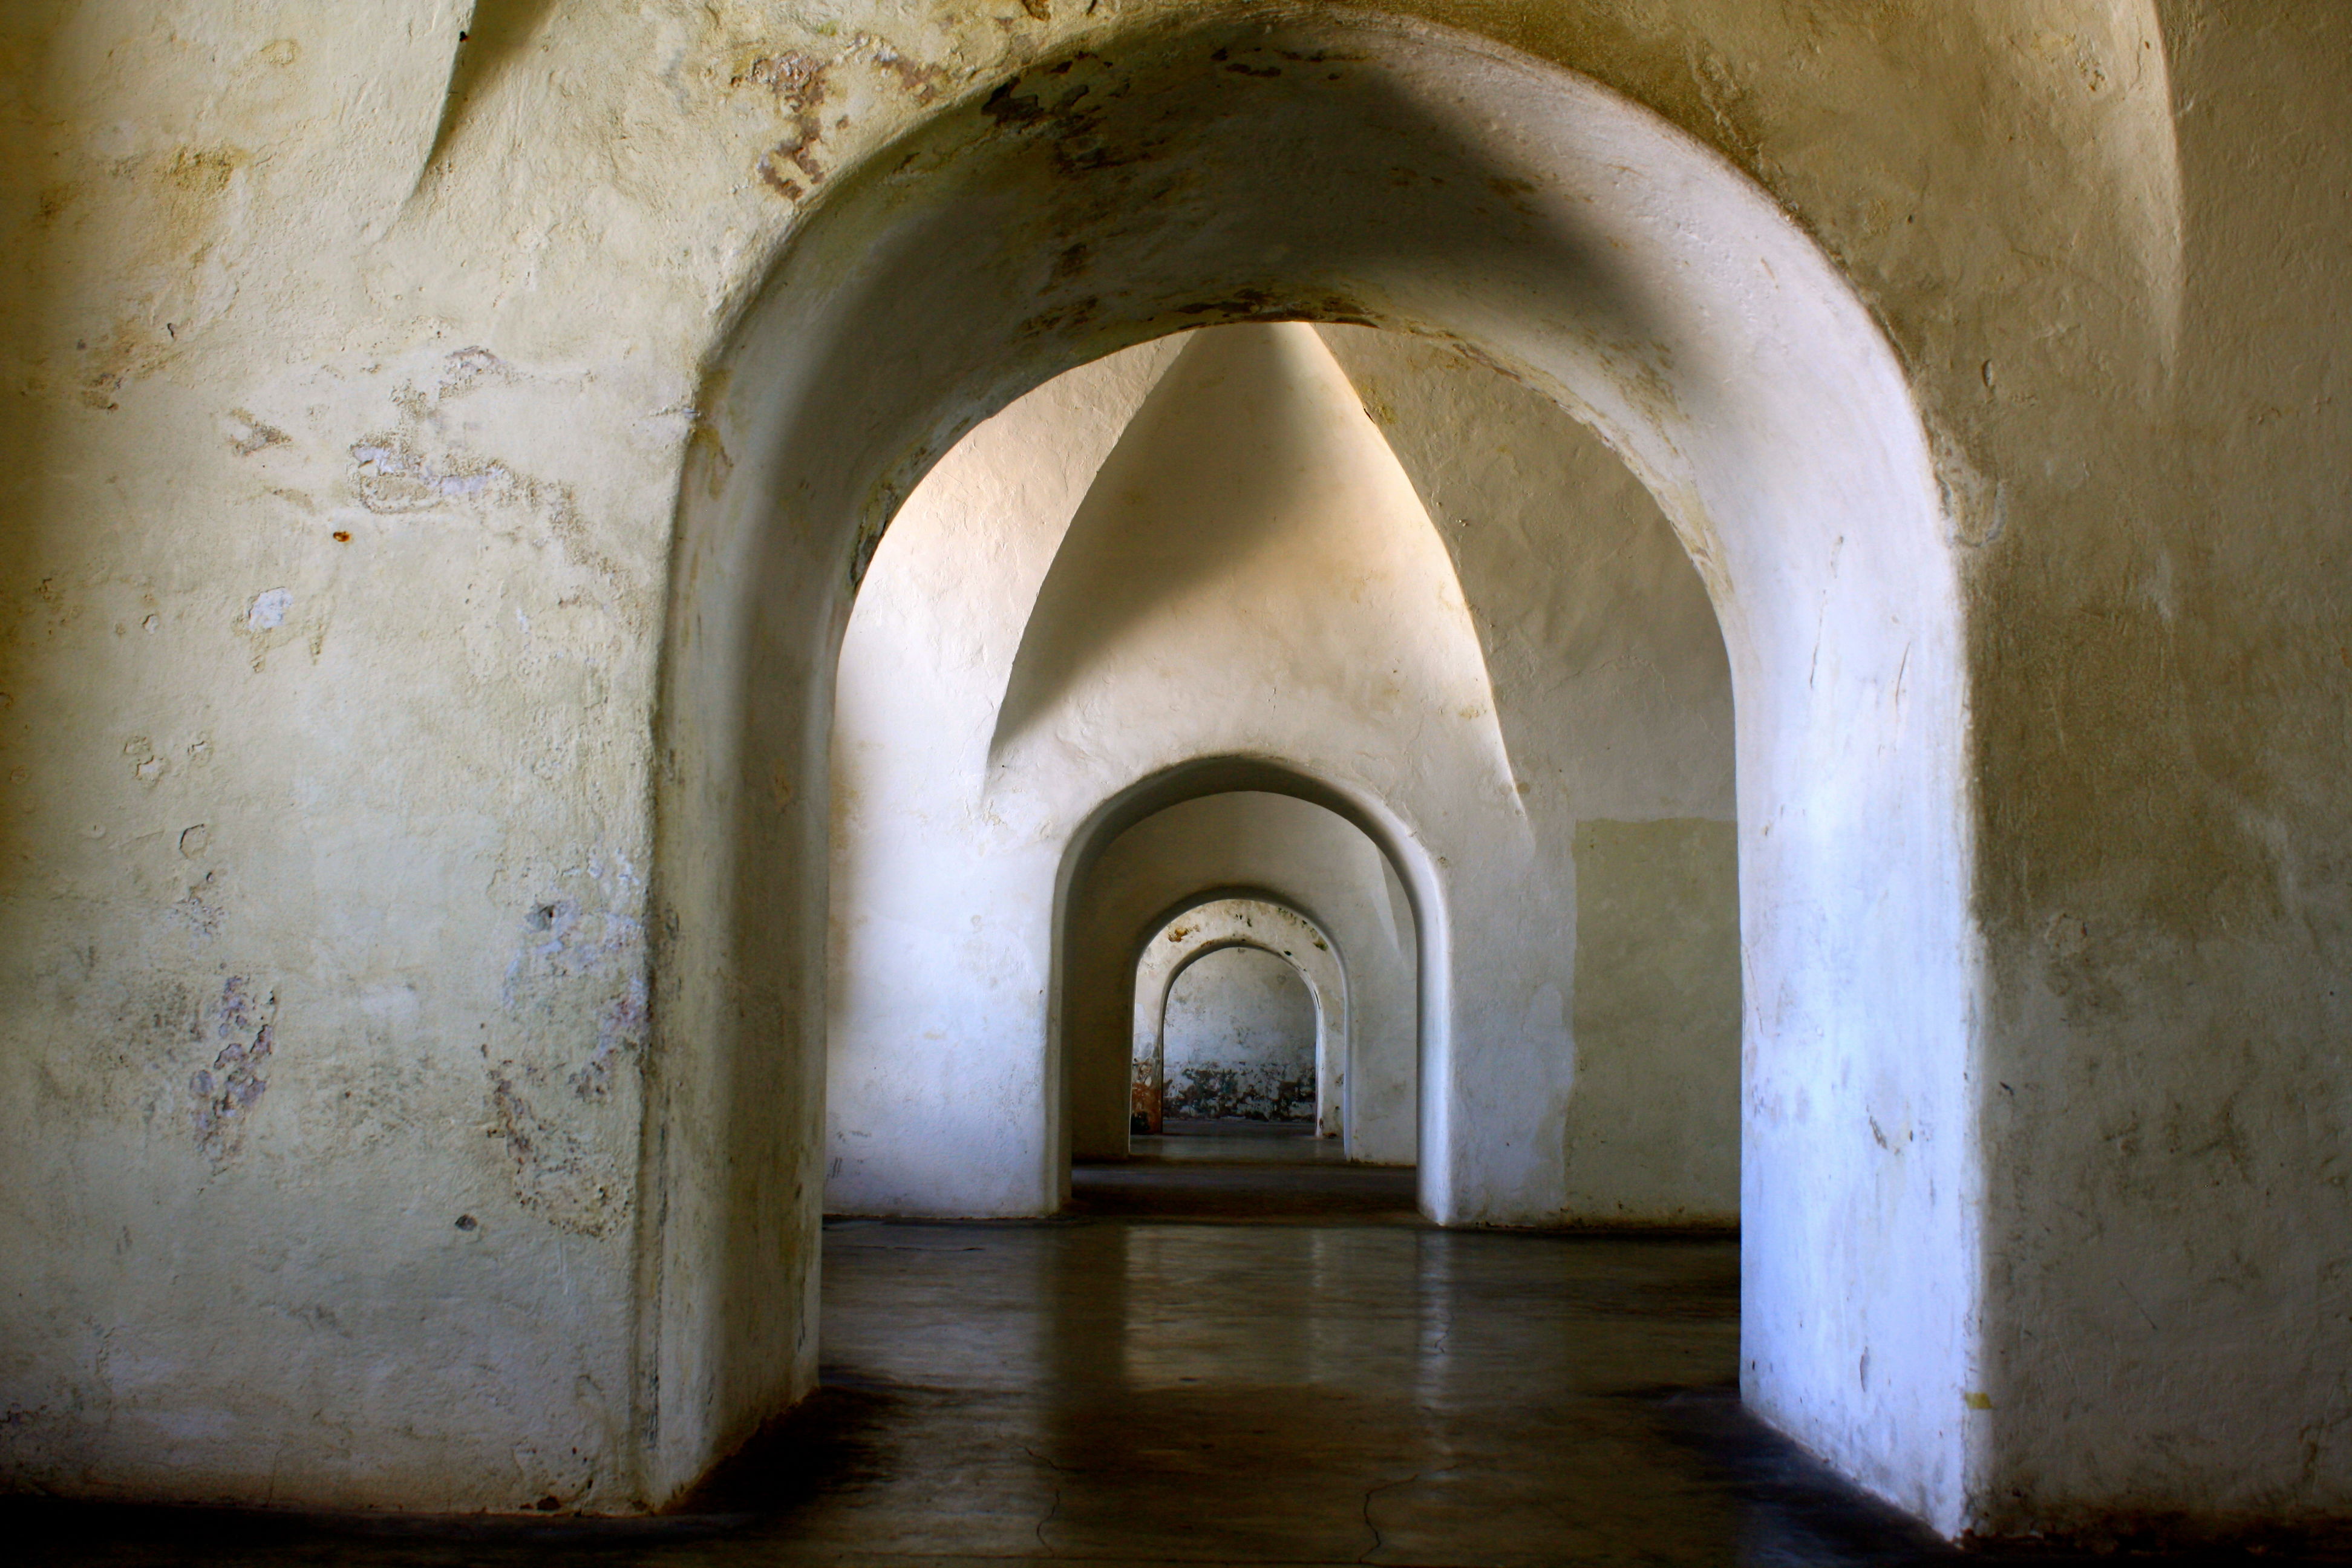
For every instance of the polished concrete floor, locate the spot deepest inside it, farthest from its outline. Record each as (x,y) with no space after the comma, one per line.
(1235,1352)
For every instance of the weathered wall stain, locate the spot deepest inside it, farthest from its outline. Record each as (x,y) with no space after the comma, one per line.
(803,82)
(799,83)
(1287,1001)
(621,1034)
(579,975)
(424,466)
(1238,1036)
(198,910)
(226,1092)
(557,1174)
(247,435)
(1253,1092)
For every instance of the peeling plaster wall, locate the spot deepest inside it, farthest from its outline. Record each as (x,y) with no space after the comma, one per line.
(263,778)
(1613,696)
(941,899)
(1239,1039)
(328,671)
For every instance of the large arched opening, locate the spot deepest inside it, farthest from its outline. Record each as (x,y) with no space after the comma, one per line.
(1432,183)
(1411,579)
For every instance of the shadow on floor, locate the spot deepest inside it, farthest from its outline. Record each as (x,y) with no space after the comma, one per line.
(1261,1142)
(1239,1194)
(1237,1173)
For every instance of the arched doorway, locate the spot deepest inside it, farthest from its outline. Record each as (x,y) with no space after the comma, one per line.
(1211,925)
(1439,186)
(1211,544)
(1241,1033)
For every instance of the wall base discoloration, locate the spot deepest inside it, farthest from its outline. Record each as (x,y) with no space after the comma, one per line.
(1215,1092)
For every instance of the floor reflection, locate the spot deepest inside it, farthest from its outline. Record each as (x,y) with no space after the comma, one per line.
(1248,1385)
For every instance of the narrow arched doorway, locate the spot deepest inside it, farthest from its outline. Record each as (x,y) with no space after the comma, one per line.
(1237,1045)
(1264,1034)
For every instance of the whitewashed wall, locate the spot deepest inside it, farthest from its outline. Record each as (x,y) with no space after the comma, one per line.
(1249,567)
(1252,572)
(1612,694)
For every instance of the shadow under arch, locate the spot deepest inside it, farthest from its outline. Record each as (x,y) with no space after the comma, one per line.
(1428,181)
(1255,943)
(1200,777)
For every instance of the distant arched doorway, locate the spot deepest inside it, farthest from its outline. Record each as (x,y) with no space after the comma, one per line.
(1183,1081)
(1182,843)
(1239,1043)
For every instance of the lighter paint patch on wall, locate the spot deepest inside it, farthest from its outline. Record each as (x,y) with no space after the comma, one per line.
(1652,1130)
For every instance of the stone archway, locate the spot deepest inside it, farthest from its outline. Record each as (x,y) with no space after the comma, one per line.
(1437,184)
(1210,925)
